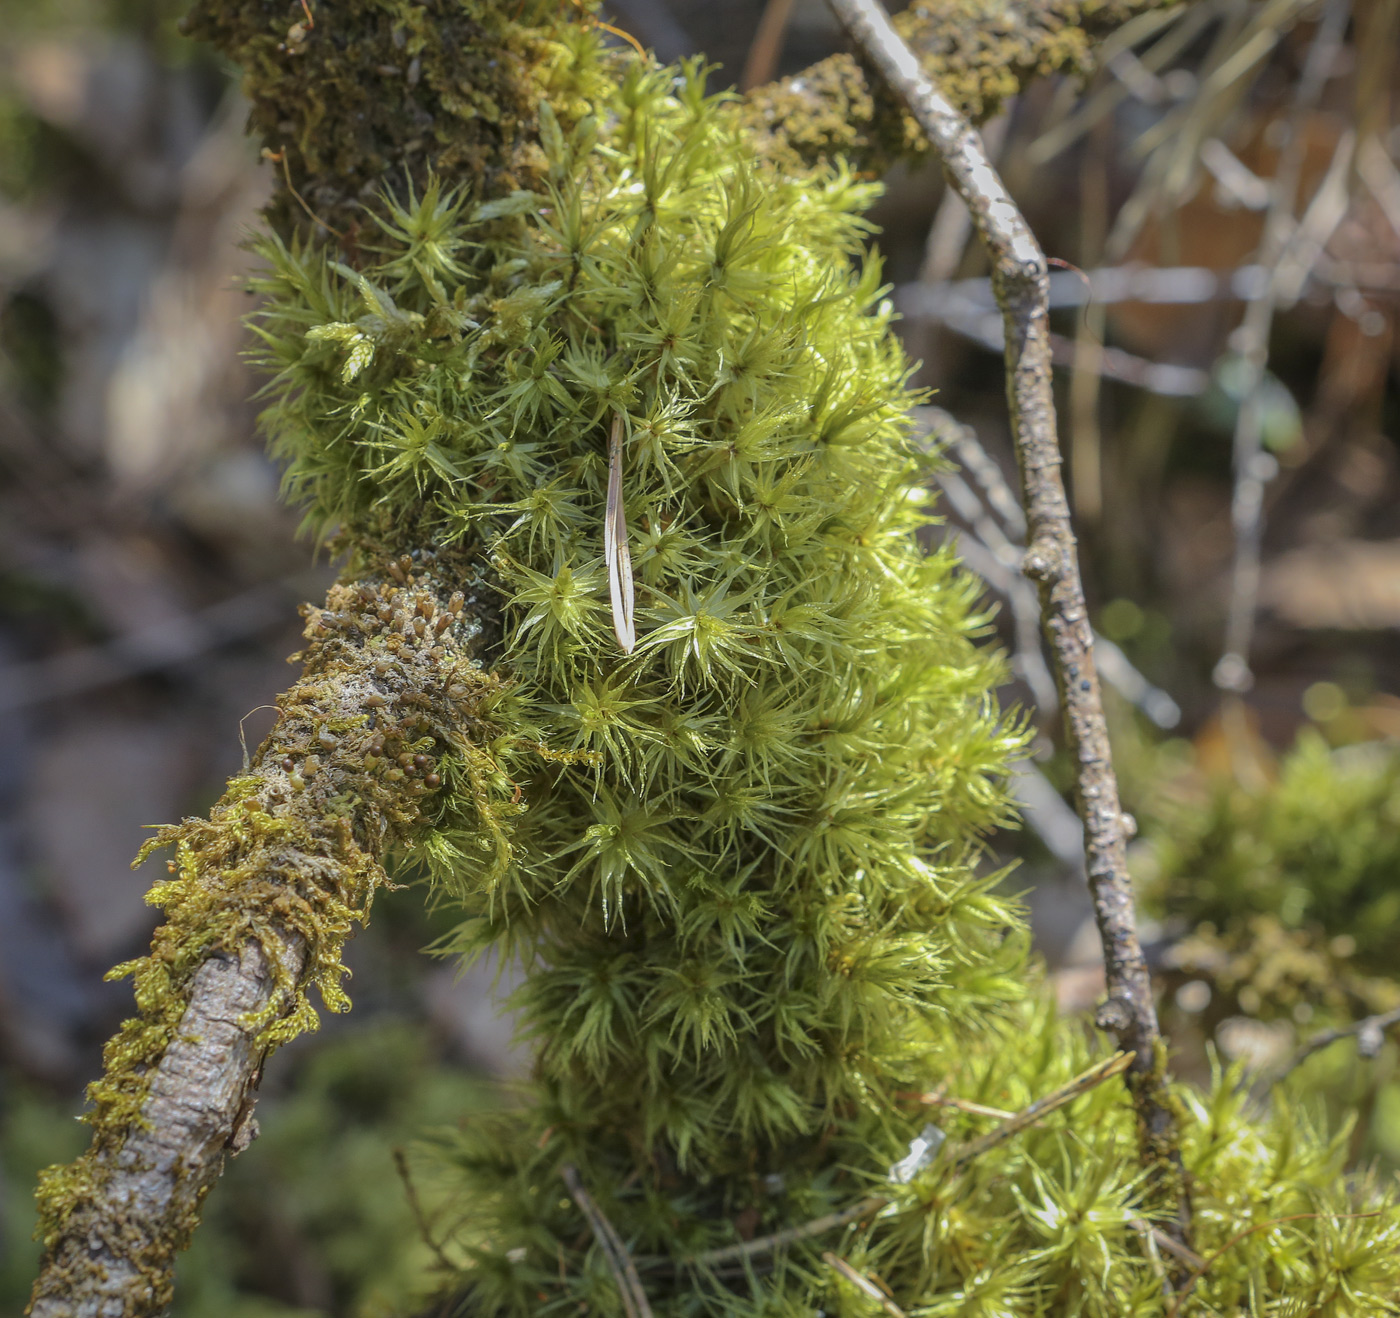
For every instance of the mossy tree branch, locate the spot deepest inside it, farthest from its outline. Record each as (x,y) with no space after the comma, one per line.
(368,98)
(977,52)
(390,705)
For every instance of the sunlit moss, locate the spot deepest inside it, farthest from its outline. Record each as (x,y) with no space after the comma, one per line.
(753,925)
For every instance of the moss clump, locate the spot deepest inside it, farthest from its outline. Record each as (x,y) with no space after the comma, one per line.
(1290,893)
(751,912)
(1318,850)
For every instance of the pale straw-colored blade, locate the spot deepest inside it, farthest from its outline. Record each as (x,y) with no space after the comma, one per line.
(615,551)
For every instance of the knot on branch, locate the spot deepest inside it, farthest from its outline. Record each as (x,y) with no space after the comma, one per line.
(1042,561)
(1115,1016)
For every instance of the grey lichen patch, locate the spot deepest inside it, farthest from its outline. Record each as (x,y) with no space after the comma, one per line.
(391,703)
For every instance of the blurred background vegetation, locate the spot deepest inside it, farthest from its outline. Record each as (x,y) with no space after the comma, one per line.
(1224,199)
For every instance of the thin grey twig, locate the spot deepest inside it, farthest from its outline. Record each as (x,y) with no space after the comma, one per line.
(1021,280)
(415,1205)
(619,1261)
(164,645)
(1369,1034)
(978,463)
(983,325)
(996,557)
(752,1249)
(1042,1107)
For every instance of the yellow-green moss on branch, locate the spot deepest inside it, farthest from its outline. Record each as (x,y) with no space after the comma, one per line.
(376,94)
(977,52)
(391,706)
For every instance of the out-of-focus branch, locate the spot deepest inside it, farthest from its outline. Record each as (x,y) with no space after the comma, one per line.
(1253,467)
(980,53)
(1369,1034)
(1021,280)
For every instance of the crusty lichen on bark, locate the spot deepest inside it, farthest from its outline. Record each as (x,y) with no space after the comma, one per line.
(977,52)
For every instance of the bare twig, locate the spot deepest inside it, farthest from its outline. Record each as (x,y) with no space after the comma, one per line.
(752,1249)
(862,1283)
(165,645)
(1020,277)
(1042,1107)
(972,319)
(996,554)
(1369,1034)
(978,463)
(952,225)
(415,1204)
(619,1261)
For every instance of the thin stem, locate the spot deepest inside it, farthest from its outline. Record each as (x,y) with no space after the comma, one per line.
(619,1261)
(961,1157)
(1370,1032)
(1021,282)
(415,1204)
(1042,1107)
(767,47)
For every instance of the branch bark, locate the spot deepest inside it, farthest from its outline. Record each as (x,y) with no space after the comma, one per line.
(1021,281)
(264,895)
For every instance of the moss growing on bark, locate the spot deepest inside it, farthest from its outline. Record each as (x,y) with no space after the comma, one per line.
(760,951)
(739,857)
(386,735)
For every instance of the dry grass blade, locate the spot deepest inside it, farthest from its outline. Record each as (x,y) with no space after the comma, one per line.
(1042,1107)
(863,1284)
(615,550)
(619,1261)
